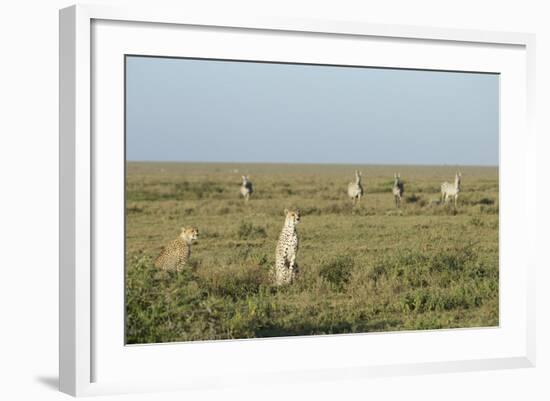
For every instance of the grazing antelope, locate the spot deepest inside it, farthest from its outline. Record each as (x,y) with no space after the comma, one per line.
(398,189)
(451,191)
(355,189)
(246,188)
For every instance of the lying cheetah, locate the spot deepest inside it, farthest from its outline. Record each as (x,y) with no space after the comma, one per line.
(246,188)
(285,256)
(177,253)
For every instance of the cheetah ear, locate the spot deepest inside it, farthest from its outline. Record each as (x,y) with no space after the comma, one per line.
(286,211)
(183,229)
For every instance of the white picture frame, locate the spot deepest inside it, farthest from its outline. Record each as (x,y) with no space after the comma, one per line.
(94,359)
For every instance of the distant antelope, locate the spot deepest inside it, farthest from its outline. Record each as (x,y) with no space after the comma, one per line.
(398,189)
(355,189)
(246,188)
(451,191)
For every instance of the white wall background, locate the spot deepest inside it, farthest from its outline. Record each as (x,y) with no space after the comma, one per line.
(29,186)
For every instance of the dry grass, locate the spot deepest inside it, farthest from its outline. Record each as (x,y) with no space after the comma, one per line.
(369,268)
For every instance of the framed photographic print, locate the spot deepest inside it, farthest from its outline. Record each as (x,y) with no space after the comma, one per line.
(281,200)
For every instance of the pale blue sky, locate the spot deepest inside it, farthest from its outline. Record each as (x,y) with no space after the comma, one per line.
(228,111)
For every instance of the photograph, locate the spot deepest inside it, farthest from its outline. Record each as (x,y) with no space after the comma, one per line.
(275,199)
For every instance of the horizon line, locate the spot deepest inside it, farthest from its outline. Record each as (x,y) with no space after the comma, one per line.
(313,163)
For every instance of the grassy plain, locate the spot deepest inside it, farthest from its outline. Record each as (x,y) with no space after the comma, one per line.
(363,269)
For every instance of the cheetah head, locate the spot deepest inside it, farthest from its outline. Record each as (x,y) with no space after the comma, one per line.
(189,234)
(292,216)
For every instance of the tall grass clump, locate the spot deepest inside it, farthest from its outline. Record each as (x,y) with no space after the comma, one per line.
(248,230)
(338,271)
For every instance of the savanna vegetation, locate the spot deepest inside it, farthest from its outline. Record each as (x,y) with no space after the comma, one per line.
(362,269)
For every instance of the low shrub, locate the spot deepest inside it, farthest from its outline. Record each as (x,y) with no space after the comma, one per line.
(234,282)
(485,201)
(413,198)
(248,231)
(337,272)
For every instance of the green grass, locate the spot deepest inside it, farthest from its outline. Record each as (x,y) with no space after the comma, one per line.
(362,269)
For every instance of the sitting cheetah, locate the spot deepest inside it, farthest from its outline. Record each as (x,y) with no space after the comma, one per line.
(176,254)
(246,188)
(287,247)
